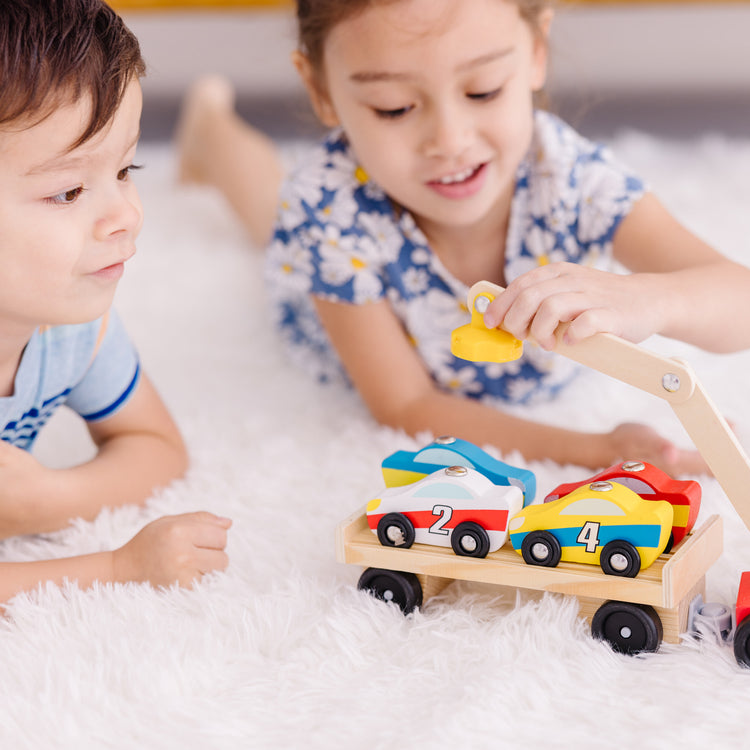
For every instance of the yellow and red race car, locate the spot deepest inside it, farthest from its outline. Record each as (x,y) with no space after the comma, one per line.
(601,523)
(651,484)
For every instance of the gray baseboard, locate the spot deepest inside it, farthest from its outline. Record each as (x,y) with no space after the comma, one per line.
(668,115)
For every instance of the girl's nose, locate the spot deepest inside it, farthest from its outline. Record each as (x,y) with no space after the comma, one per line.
(123,212)
(448,133)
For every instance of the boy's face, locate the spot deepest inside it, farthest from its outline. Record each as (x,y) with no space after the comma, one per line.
(68,218)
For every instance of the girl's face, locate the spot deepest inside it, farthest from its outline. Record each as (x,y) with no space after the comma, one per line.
(435,97)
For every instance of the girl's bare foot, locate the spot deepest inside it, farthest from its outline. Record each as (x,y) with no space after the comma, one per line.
(209,99)
(216,147)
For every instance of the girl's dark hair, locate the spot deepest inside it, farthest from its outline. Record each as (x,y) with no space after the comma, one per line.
(54,52)
(316,18)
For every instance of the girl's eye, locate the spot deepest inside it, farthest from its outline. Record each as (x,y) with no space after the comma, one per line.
(392,114)
(124,173)
(486,96)
(66,198)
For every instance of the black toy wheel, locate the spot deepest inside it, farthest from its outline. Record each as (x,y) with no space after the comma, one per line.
(395,530)
(620,558)
(670,544)
(403,589)
(742,643)
(470,540)
(541,548)
(628,628)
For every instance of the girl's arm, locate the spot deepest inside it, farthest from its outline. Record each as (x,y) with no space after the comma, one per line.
(172,549)
(679,287)
(389,375)
(701,296)
(139,449)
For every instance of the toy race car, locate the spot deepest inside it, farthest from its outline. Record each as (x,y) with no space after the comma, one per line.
(455,507)
(405,467)
(601,523)
(651,484)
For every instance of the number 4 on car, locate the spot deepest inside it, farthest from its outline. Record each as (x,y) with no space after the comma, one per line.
(602,523)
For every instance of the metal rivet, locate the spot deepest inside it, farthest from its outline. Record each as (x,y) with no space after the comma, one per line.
(481,303)
(670,382)
(456,471)
(600,486)
(633,466)
(445,440)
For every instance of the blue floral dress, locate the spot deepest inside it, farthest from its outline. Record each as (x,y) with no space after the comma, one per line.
(340,238)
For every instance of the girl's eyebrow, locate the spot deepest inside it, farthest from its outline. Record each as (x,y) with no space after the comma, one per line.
(377,76)
(486,58)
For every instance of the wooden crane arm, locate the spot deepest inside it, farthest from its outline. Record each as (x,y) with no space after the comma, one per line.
(670,379)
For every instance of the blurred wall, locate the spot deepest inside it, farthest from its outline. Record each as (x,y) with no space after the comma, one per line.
(694,57)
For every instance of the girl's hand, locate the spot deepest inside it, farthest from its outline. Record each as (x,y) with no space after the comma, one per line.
(174,549)
(637,442)
(592,302)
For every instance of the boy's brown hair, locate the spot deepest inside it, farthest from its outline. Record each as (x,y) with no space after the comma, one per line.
(53,52)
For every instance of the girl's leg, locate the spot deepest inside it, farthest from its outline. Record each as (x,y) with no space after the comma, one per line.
(216,147)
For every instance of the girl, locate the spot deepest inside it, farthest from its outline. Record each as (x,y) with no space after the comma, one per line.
(439,171)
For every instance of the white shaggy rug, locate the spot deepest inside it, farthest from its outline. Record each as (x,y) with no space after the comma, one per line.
(282,651)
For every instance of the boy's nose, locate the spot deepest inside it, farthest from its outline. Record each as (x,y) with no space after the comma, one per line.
(122,213)
(448,135)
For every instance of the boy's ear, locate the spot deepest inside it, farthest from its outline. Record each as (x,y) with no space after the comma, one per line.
(319,98)
(541,49)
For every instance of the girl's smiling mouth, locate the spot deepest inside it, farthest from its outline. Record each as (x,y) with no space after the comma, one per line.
(461,184)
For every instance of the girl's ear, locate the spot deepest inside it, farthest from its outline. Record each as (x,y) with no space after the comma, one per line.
(319,98)
(541,49)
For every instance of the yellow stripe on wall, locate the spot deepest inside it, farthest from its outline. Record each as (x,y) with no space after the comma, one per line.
(125,5)
(649,2)
(211,4)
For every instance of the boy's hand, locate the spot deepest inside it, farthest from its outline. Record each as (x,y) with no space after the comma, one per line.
(174,549)
(591,301)
(631,441)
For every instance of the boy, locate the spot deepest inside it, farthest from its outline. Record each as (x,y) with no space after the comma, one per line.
(69,215)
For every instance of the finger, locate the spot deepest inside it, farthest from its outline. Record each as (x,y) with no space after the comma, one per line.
(520,313)
(499,307)
(206,517)
(209,536)
(557,309)
(691,462)
(587,323)
(556,299)
(208,561)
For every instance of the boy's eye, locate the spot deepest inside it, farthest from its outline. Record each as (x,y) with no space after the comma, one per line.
(485,96)
(392,114)
(67,197)
(123,173)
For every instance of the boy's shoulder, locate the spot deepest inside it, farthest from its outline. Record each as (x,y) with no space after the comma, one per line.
(58,357)
(74,361)
(73,341)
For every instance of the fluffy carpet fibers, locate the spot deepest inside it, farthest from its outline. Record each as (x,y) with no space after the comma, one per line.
(282,651)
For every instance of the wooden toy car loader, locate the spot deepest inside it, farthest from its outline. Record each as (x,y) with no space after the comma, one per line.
(632,614)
